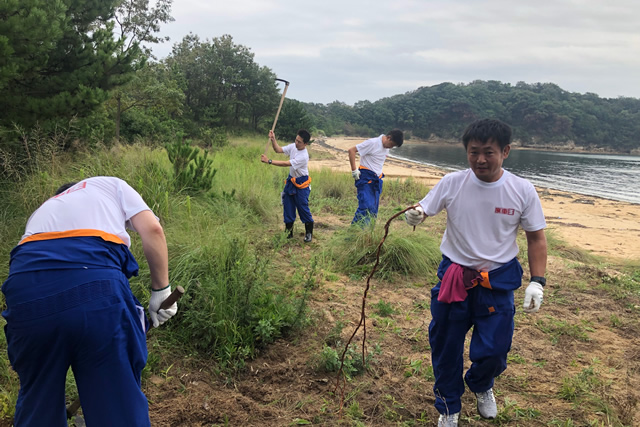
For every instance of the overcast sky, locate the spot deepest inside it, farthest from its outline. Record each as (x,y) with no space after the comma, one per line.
(353,50)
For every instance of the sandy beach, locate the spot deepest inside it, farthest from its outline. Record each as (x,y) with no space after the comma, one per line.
(603,227)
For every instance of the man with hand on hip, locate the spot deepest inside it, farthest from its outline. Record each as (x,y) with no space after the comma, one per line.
(479,271)
(69,304)
(368,177)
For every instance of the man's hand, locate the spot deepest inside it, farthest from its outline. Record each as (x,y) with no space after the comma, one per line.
(533,293)
(272,136)
(356,174)
(264,159)
(414,216)
(158,317)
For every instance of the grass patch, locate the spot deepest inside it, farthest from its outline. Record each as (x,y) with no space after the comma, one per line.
(561,328)
(354,251)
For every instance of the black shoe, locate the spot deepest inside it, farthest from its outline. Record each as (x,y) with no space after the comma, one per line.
(308,230)
(289,230)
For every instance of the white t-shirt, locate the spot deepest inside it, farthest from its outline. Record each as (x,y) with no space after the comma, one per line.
(299,160)
(98,203)
(372,154)
(483,217)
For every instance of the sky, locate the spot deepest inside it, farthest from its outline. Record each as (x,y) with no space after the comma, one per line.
(356,50)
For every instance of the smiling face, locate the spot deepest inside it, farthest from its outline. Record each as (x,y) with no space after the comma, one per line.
(485,160)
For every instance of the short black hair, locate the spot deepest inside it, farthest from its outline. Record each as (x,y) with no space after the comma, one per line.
(305,135)
(65,187)
(396,136)
(487,130)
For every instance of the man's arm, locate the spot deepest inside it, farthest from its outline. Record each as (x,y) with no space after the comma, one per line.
(282,163)
(352,157)
(537,252)
(274,143)
(154,245)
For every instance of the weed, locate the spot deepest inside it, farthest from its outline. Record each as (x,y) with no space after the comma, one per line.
(384,309)
(515,358)
(328,360)
(354,411)
(558,328)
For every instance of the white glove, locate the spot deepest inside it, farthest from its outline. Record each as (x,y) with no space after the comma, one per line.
(414,216)
(158,317)
(356,174)
(533,292)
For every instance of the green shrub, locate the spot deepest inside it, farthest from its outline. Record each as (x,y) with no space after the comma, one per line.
(192,168)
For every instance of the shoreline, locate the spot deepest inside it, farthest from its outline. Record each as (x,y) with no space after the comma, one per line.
(515,144)
(603,227)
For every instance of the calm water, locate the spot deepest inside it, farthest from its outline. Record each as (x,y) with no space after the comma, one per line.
(615,177)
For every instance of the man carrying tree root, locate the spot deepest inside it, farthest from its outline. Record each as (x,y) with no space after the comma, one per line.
(479,270)
(69,304)
(368,177)
(297,186)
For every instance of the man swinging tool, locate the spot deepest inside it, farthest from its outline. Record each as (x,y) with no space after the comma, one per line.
(69,304)
(295,195)
(368,177)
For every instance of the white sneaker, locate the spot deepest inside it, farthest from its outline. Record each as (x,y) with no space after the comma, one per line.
(487,404)
(448,420)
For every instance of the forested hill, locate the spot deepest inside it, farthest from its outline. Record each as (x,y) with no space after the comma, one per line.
(541,114)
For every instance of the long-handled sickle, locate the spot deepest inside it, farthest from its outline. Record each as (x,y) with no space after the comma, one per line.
(273,127)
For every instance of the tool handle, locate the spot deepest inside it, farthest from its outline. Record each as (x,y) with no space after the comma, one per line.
(284,93)
(175,296)
(273,127)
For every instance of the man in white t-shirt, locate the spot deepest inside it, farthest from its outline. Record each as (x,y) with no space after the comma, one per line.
(479,271)
(368,177)
(69,304)
(297,188)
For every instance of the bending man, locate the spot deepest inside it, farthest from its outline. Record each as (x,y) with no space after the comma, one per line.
(69,304)
(368,177)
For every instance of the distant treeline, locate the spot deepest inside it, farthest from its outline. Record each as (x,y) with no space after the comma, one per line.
(541,114)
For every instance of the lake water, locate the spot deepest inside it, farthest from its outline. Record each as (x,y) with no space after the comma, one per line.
(610,176)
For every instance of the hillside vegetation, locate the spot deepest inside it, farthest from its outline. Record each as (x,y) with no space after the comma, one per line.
(264,322)
(541,115)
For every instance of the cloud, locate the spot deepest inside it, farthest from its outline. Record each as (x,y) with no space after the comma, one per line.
(356,50)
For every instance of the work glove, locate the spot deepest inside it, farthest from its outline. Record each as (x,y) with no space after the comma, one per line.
(414,216)
(533,293)
(158,317)
(356,174)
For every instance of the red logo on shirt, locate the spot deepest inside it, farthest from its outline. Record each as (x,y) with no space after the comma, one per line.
(72,189)
(504,211)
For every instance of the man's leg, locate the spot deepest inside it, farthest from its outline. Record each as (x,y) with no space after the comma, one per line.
(446,338)
(289,212)
(38,352)
(302,204)
(111,355)
(43,313)
(490,343)
(366,203)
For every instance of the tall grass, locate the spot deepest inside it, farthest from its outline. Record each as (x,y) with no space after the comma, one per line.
(353,251)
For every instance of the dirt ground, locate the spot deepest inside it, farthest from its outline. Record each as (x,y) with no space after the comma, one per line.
(575,363)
